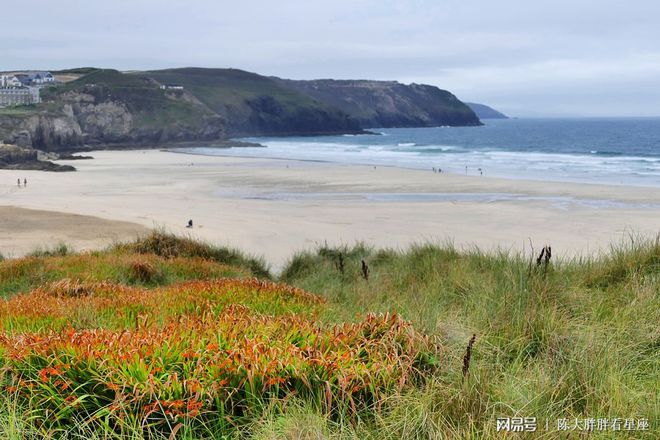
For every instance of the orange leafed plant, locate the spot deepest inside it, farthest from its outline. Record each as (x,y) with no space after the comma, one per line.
(199,348)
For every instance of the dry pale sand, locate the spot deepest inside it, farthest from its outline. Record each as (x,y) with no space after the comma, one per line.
(26,230)
(276,207)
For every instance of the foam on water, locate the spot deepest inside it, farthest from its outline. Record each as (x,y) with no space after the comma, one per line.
(613,151)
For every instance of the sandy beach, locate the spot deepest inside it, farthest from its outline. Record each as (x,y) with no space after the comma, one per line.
(275,207)
(27,230)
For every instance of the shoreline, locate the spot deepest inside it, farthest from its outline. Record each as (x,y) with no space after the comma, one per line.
(227,197)
(489,178)
(330,162)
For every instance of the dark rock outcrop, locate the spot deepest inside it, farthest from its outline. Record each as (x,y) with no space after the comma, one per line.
(11,154)
(13,157)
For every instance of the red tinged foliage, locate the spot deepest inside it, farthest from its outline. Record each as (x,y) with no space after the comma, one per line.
(200,348)
(60,302)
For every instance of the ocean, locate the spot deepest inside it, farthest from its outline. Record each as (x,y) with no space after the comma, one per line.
(603,150)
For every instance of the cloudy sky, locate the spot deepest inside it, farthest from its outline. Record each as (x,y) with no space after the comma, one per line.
(527,58)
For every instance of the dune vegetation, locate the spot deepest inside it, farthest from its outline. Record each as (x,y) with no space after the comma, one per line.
(169,338)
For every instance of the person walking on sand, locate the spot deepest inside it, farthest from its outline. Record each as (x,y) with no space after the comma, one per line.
(19,183)
(25,183)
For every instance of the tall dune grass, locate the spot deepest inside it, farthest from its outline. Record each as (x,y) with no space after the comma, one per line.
(578,341)
(171,339)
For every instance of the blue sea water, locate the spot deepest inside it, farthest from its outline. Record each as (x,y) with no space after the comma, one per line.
(603,150)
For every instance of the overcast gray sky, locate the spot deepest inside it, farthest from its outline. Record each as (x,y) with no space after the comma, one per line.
(527,58)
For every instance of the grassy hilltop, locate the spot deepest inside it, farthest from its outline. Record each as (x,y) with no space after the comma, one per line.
(170,338)
(257,105)
(153,108)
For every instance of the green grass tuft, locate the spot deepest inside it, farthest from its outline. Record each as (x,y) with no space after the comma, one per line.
(60,250)
(169,245)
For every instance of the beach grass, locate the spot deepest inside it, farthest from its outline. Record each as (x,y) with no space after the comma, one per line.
(171,338)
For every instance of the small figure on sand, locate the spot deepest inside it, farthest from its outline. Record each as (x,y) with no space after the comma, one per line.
(190,224)
(25,183)
(19,183)
(466,170)
(481,173)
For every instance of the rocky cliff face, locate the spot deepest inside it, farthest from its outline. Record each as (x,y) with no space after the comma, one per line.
(109,112)
(389,103)
(45,132)
(90,123)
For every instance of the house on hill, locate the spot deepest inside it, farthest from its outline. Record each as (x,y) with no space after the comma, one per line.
(35,78)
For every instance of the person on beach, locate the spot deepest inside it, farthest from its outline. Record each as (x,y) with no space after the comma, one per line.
(190,224)
(19,183)
(25,183)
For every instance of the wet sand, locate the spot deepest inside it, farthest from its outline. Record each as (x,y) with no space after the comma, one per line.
(276,207)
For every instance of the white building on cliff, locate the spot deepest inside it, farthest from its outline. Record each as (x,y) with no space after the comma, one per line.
(9,81)
(23,88)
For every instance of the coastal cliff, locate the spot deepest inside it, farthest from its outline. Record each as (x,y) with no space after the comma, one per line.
(254,105)
(107,108)
(389,103)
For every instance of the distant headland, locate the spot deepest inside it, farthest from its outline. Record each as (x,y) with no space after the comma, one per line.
(486,112)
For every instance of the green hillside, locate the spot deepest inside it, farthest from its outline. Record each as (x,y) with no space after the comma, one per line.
(253,104)
(152,107)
